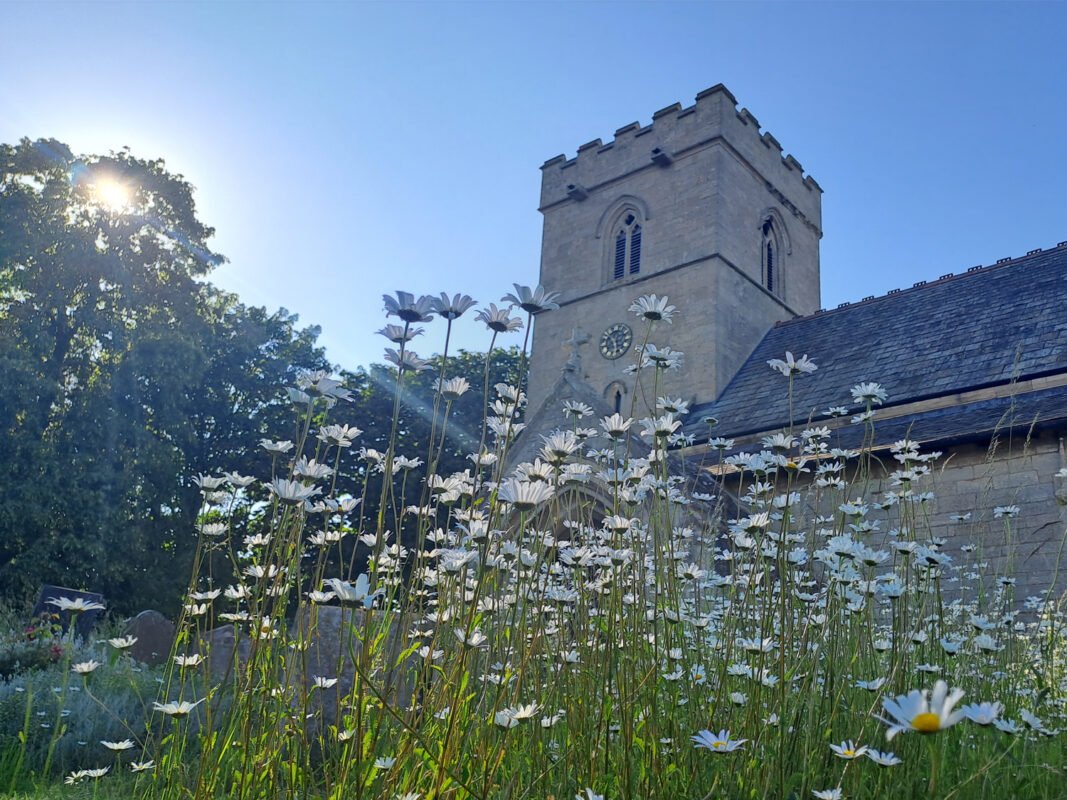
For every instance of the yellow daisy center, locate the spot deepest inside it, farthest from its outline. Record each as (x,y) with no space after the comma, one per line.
(927,722)
(718,745)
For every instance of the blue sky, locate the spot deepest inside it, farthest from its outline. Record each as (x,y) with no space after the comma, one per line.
(344,150)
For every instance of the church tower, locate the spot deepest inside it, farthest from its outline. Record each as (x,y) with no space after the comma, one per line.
(699,206)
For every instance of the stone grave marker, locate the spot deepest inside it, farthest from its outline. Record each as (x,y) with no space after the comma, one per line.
(155,637)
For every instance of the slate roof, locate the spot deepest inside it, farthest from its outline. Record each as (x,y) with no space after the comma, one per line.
(1020,413)
(988,326)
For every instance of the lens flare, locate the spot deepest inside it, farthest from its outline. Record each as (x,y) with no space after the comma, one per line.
(112,195)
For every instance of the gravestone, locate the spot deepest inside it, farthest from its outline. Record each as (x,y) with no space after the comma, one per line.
(330,646)
(155,637)
(334,637)
(220,647)
(83,621)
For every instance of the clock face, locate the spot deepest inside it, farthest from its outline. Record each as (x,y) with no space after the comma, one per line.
(616,340)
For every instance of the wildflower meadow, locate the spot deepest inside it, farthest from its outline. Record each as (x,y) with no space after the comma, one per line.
(604,621)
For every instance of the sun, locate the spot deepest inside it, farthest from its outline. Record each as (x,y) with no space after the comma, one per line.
(112,195)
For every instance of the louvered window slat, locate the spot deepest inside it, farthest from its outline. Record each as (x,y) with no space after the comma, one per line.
(635,250)
(620,255)
(770,267)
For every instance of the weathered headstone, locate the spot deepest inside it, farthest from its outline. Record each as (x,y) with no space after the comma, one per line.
(223,652)
(328,652)
(83,620)
(155,637)
(336,640)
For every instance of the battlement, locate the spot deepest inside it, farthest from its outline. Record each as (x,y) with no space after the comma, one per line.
(674,132)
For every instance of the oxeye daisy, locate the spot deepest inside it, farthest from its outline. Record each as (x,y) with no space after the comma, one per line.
(293,492)
(400,334)
(405,306)
(1032,721)
(504,719)
(922,711)
(616,426)
(883,759)
(871,686)
(848,750)
(498,320)
(178,709)
(576,410)
(792,366)
(523,495)
(406,361)
(524,712)
(532,300)
(357,593)
(451,308)
(717,742)
(452,388)
(653,308)
(125,744)
(982,713)
(1008,726)
(75,605)
(869,393)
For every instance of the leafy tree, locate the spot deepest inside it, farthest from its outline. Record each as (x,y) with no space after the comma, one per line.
(122,374)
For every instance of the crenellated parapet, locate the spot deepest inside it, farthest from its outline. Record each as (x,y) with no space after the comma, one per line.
(674,133)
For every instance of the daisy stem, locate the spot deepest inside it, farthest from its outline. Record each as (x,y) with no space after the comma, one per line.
(935,765)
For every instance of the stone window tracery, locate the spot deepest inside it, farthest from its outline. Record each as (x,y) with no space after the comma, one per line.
(771,255)
(627,243)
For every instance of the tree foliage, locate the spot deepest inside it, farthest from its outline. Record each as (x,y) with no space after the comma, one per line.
(122,374)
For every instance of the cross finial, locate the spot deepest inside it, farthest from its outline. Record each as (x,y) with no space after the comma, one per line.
(574,361)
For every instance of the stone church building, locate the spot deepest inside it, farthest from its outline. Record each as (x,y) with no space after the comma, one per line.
(703,207)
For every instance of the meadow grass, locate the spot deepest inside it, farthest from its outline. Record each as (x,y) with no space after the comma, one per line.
(594,623)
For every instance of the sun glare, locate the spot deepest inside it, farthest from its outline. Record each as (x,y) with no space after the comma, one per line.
(112,195)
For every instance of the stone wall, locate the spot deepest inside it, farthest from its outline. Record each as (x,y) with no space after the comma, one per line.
(975,479)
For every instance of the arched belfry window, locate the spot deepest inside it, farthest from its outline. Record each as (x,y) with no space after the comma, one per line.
(627,258)
(621,232)
(771,256)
